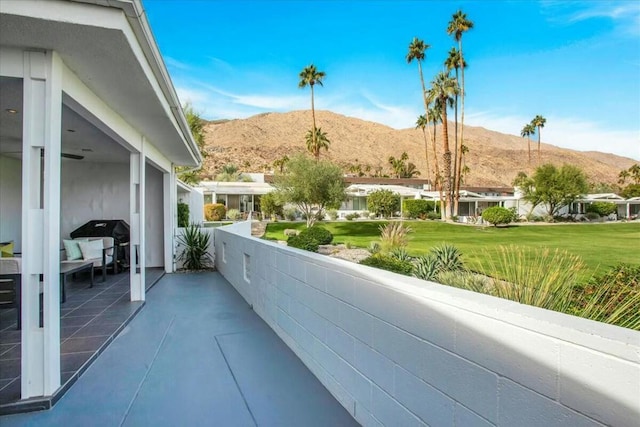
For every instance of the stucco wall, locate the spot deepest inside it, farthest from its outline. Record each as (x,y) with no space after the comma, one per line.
(399,351)
(11,201)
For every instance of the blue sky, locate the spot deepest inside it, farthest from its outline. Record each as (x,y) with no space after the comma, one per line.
(576,63)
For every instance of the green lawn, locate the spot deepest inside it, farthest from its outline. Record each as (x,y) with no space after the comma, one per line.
(599,245)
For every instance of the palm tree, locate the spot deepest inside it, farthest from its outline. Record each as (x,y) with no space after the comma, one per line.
(310,76)
(443,89)
(279,163)
(317,141)
(527,131)
(538,121)
(423,123)
(434,116)
(453,62)
(459,25)
(417,50)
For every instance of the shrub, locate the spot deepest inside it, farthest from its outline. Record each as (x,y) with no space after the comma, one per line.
(383,202)
(319,234)
(417,208)
(612,298)
(393,235)
(196,243)
(271,205)
(183,215)
(433,215)
(388,263)
(464,280)
(333,214)
(234,214)
(592,216)
(497,215)
(291,232)
(291,214)
(303,242)
(214,211)
(374,248)
(351,216)
(602,208)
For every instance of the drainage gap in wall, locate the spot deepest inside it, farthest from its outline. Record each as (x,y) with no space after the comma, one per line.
(224,252)
(247,268)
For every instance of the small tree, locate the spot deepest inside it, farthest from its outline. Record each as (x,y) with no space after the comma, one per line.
(311,186)
(383,203)
(196,125)
(497,215)
(555,188)
(271,205)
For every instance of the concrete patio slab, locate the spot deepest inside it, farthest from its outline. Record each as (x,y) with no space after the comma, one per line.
(195,355)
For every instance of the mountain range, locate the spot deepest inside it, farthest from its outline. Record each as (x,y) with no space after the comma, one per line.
(493,158)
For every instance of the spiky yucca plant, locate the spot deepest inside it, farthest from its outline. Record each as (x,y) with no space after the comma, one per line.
(401,254)
(196,243)
(426,268)
(448,257)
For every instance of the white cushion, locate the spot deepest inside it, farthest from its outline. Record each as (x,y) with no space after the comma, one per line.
(91,249)
(10,265)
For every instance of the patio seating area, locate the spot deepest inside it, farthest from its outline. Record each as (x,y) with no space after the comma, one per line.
(197,354)
(90,318)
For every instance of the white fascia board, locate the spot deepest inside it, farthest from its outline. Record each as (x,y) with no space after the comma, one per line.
(154,156)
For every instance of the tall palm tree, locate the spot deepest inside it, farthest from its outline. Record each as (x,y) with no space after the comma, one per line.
(443,89)
(417,50)
(423,123)
(434,116)
(459,25)
(527,131)
(316,141)
(453,62)
(310,76)
(538,122)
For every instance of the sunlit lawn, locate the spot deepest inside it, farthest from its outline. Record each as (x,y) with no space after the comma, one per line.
(599,245)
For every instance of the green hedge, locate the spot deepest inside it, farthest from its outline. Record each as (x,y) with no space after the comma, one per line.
(319,234)
(389,263)
(418,208)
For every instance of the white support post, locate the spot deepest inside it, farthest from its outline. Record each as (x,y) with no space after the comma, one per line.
(136,206)
(42,118)
(170,202)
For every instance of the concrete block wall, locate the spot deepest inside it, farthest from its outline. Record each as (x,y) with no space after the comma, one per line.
(399,351)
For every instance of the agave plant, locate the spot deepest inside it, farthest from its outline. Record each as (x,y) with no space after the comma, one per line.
(196,242)
(400,254)
(426,268)
(448,257)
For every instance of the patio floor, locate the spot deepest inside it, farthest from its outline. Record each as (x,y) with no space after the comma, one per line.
(196,354)
(89,319)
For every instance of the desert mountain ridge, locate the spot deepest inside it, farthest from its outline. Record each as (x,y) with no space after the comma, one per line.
(494,158)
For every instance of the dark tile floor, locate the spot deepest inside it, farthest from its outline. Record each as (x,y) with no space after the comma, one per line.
(89,320)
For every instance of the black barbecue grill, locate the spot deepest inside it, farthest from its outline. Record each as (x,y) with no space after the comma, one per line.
(116,228)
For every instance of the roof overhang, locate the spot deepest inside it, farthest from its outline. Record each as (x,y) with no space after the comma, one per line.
(108,44)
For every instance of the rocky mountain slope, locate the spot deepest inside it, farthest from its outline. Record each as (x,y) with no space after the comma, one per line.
(494,159)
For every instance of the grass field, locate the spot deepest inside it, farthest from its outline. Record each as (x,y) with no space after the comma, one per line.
(599,245)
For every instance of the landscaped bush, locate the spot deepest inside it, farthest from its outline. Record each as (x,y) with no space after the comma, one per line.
(319,234)
(351,216)
(305,242)
(234,214)
(592,216)
(417,208)
(497,215)
(333,214)
(388,263)
(291,214)
(401,254)
(612,298)
(602,208)
(441,259)
(195,242)
(383,203)
(214,211)
(183,214)
(433,215)
(271,205)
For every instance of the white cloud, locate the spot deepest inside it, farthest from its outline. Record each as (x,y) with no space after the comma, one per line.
(174,63)
(573,133)
(624,14)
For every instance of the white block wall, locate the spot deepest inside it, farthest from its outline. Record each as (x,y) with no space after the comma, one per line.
(398,351)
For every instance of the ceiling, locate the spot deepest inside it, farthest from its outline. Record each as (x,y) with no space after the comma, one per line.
(79,137)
